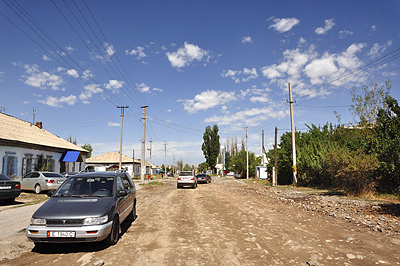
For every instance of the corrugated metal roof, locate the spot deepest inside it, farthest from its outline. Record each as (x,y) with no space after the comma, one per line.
(14,129)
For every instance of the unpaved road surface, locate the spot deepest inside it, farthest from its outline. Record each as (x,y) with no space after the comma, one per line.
(225,223)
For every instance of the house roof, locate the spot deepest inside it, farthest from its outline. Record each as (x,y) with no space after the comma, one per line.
(112,158)
(16,130)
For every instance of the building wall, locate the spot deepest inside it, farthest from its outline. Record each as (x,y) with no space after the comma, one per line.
(17,161)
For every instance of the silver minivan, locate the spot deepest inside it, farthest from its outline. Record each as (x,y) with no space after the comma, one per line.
(187,178)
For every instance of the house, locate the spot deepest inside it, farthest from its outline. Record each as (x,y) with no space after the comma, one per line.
(25,147)
(110,161)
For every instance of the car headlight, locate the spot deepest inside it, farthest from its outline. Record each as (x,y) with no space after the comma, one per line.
(95,220)
(38,221)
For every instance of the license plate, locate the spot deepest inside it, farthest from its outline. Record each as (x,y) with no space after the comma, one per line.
(60,234)
(6,187)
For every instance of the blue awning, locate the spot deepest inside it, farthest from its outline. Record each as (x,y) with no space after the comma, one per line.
(71,156)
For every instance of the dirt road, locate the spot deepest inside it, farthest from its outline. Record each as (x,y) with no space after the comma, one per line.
(223,224)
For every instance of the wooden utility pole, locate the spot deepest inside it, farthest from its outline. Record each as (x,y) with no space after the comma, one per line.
(293,136)
(142,160)
(120,141)
(133,163)
(275,175)
(247,153)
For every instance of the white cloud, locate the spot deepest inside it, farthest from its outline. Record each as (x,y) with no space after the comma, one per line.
(73,73)
(58,102)
(114,85)
(377,49)
(344,33)
(88,92)
(142,87)
(70,49)
(283,24)
(249,117)
(247,39)
(138,52)
(246,72)
(328,26)
(208,99)
(1,76)
(320,68)
(46,58)
(187,54)
(87,74)
(42,80)
(109,49)
(373,28)
(112,124)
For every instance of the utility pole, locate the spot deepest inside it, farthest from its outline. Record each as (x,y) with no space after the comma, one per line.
(34,115)
(247,153)
(165,164)
(275,174)
(293,136)
(142,160)
(263,149)
(120,141)
(150,156)
(133,163)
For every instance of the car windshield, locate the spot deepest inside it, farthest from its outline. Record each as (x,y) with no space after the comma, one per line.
(86,186)
(52,175)
(185,174)
(201,175)
(4,177)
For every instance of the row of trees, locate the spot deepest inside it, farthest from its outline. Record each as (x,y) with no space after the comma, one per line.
(234,159)
(358,159)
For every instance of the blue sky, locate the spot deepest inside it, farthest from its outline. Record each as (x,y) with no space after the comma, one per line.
(194,63)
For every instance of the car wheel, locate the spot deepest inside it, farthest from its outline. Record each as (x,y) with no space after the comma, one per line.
(178,186)
(38,189)
(113,237)
(132,215)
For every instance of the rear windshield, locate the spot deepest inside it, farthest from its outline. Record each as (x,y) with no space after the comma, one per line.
(4,177)
(201,175)
(185,173)
(52,175)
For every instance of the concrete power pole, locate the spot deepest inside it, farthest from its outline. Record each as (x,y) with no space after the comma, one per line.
(247,153)
(150,158)
(293,136)
(275,174)
(143,155)
(165,154)
(120,141)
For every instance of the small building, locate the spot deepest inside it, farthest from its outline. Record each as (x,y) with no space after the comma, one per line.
(25,147)
(110,162)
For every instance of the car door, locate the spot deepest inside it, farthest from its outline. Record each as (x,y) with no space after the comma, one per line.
(121,200)
(25,181)
(33,180)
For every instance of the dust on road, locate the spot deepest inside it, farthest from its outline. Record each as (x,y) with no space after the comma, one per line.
(220,224)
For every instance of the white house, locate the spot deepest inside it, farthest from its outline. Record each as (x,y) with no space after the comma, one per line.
(25,147)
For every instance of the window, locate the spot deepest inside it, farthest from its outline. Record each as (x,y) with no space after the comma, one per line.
(120,184)
(10,164)
(127,184)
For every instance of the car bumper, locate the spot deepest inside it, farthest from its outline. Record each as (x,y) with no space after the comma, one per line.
(51,186)
(89,233)
(10,194)
(186,182)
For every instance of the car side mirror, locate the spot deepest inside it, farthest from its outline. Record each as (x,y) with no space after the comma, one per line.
(50,193)
(122,193)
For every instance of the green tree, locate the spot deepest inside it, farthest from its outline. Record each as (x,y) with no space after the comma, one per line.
(89,148)
(239,163)
(211,145)
(203,167)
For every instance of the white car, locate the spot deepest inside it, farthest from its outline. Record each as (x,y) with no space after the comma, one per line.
(41,181)
(187,178)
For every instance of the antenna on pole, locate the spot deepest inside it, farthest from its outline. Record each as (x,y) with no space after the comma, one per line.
(120,141)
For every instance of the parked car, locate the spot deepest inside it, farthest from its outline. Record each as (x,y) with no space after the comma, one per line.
(41,181)
(67,174)
(203,178)
(9,189)
(87,207)
(170,174)
(186,178)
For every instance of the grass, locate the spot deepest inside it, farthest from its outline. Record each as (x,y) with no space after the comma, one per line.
(153,183)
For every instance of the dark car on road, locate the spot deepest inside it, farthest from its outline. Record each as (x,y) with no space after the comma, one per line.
(87,207)
(9,189)
(203,178)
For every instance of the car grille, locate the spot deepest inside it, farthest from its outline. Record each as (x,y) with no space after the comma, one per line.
(65,222)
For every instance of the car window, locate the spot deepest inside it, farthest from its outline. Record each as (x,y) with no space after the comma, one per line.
(35,175)
(4,177)
(120,184)
(52,175)
(127,184)
(185,173)
(88,186)
(27,175)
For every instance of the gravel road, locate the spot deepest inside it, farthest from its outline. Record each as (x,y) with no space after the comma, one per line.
(226,223)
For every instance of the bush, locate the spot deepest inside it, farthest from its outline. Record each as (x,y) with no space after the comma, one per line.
(352,171)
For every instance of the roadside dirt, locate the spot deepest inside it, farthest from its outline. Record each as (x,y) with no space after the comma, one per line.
(228,222)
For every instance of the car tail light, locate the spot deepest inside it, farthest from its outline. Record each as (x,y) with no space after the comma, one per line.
(179,178)
(50,181)
(192,178)
(17,186)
